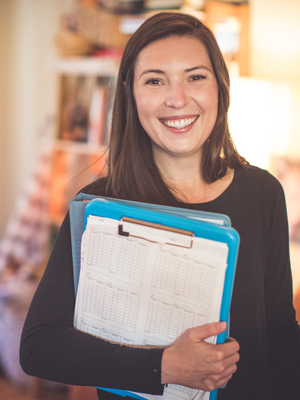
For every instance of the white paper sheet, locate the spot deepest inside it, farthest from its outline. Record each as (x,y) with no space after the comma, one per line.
(139,292)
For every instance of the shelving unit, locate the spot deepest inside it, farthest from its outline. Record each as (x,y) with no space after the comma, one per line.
(230,23)
(85,93)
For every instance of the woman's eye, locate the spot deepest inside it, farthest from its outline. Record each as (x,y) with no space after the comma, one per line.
(153,82)
(198,77)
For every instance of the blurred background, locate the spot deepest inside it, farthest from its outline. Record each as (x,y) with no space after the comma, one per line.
(58,64)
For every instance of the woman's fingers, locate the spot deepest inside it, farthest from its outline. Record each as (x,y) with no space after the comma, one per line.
(214,381)
(192,362)
(206,331)
(221,362)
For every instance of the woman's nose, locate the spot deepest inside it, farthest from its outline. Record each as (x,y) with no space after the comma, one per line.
(177,96)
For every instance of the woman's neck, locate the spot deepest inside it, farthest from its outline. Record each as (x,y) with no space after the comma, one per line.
(185,180)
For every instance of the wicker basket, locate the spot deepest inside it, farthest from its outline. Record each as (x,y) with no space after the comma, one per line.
(100,28)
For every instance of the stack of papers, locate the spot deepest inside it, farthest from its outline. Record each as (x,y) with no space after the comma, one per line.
(144,286)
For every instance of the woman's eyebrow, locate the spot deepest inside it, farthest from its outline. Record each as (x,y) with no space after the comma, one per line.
(155,71)
(198,67)
(159,71)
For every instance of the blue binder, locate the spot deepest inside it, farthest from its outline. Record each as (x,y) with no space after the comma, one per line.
(210,226)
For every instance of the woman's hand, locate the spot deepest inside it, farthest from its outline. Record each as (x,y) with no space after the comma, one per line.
(192,362)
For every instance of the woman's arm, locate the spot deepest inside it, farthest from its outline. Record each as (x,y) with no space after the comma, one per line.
(51,348)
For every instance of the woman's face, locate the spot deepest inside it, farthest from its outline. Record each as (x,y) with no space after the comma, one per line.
(176,94)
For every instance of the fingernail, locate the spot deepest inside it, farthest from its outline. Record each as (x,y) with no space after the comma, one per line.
(222,325)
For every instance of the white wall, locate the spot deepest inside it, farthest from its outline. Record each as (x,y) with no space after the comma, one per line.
(275,38)
(275,51)
(4,120)
(28,90)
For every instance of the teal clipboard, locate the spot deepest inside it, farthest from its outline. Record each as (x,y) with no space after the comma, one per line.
(206,225)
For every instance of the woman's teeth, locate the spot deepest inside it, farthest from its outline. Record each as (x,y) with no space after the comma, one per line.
(180,123)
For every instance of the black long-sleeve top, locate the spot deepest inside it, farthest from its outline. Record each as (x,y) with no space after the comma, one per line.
(262,315)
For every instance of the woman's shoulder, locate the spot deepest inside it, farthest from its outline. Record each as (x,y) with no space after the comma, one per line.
(258,194)
(97,188)
(251,176)
(258,189)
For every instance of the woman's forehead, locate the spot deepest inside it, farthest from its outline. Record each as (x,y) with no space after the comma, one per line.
(173,52)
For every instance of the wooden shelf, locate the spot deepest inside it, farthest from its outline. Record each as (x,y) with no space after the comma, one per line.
(94,66)
(216,12)
(78,147)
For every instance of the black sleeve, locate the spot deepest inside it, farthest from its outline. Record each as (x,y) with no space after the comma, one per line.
(283,330)
(51,348)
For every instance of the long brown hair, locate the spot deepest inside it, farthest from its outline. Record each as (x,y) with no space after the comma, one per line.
(132,172)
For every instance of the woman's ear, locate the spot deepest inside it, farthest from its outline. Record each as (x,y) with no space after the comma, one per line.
(124,83)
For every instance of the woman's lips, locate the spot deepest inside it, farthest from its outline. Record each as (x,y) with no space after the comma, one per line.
(181,123)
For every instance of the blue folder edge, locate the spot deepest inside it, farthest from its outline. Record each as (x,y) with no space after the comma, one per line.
(77,220)
(83,205)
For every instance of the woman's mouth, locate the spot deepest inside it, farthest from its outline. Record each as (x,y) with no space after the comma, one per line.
(180,123)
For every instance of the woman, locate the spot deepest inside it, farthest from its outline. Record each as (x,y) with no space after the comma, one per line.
(170,145)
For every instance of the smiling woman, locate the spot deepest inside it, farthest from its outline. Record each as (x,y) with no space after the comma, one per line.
(161,60)
(177,105)
(170,144)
